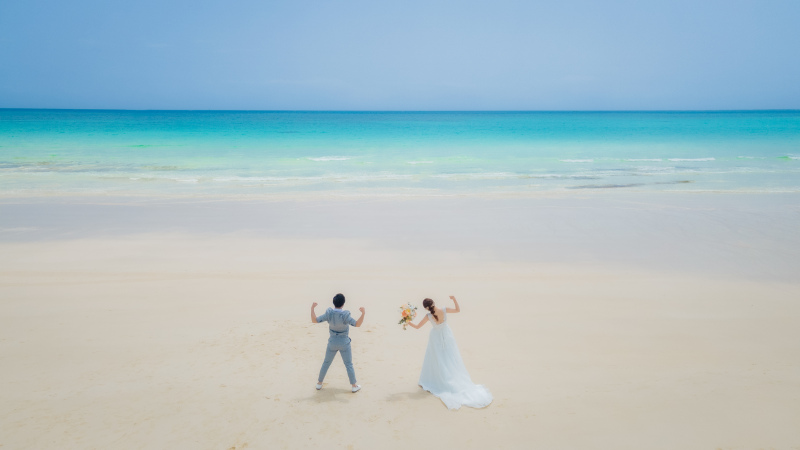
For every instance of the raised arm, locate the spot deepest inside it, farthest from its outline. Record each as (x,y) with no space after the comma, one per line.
(313,314)
(452,310)
(361,319)
(420,324)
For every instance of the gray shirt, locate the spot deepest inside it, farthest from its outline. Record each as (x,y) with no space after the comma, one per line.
(339,321)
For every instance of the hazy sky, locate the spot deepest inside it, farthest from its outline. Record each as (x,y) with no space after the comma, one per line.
(400,55)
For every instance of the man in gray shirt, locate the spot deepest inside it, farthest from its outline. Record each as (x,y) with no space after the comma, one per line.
(339,322)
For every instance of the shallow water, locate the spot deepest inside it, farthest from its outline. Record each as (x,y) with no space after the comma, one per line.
(214,153)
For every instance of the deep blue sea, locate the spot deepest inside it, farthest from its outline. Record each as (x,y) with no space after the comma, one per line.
(255,154)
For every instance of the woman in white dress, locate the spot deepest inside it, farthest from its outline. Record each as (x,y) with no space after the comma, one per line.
(443,372)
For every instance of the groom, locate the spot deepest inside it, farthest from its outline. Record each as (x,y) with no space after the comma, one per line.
(339,322)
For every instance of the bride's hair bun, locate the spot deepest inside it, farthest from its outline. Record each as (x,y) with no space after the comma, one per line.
(428,304)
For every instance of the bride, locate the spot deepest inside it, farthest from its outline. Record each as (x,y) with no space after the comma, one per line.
(443,372)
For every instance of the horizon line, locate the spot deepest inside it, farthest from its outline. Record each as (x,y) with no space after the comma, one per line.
(409,110)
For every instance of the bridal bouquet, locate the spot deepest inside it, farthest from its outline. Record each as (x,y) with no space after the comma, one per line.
(408,312)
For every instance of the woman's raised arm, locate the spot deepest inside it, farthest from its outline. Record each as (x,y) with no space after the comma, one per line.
(453,310)
(421,323)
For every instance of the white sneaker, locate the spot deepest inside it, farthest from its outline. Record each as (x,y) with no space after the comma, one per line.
(356,388)
(319,386)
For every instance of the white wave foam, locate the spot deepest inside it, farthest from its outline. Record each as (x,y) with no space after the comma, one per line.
(651,169)
(477,176)
(545,175)
(643,159)
(794,157)
(379,177)
(576,160)
(263,179)
(692,159)
(384,176)
(279,180)
(329,158)
(149,178)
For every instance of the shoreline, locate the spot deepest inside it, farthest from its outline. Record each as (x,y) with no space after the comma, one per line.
(729,235)
(390,194)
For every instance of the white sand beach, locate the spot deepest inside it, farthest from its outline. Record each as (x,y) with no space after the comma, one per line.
(656,321)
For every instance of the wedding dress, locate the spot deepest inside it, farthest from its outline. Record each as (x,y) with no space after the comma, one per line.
(444,374)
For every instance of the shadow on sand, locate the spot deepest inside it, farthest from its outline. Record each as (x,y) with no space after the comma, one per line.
(327,394)
(418,394)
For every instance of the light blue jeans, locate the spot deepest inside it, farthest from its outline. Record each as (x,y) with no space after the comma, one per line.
(341,345)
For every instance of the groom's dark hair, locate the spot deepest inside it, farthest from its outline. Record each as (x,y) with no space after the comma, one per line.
(338,300)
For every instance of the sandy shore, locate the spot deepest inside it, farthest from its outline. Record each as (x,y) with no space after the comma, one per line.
(597,322)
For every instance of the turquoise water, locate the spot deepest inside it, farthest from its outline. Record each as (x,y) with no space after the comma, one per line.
(214,153)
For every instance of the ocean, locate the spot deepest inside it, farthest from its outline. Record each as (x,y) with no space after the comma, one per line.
(253,154)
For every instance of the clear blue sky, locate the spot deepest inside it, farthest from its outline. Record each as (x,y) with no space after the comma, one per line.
(400,55)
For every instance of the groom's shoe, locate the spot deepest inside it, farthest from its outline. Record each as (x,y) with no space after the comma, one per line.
(319,386)
(356,388)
